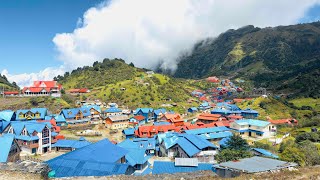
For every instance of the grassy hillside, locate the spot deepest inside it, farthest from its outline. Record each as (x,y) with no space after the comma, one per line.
(54,105)
(116,81)
(4,83)
(284,59)
(281,108)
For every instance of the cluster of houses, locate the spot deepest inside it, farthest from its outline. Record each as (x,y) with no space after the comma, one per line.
(44,88)
(190,145)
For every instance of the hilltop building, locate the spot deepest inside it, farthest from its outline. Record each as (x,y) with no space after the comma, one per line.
(43,88)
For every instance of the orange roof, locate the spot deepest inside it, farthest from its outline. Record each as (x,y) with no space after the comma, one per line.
(11,92)
(238,100)
(82,90)
(173,117)
(49,84)
(139,117)
(222,123)
(210,117)
(35,89)
(284,121)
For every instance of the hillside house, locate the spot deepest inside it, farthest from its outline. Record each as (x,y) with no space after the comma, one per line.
(10,150)
(175,119)
(192,110)
(67,145)
(128,133)
(31,114)
(76,115)
(138,120)
(289,121)
(95,111)
(33,137)
(148,113)
(210,118)
(112,111)
(181,165)
(175,145)
(249,113)
(158,113)
(11,93)
(253,128)
(137,157)
(102,158)
(151,131)
(251,165)
(78,91)
(211,134)
(117,122)
(43,88)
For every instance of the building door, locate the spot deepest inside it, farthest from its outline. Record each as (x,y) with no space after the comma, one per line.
(45,149)
(249,133)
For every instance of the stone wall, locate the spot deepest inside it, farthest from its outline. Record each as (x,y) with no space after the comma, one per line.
(27,167)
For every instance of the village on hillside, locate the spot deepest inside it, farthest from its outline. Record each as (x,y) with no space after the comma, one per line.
(97,138)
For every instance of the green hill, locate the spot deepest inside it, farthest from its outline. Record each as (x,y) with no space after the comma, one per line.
(4,83)
(116,81)
(284,59)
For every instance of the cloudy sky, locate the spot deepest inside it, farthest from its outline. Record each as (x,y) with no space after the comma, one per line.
(41,39)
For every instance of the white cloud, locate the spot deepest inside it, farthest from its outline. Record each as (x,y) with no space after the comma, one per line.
(146,32)
(27,79)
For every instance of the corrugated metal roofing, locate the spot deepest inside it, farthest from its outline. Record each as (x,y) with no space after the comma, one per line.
(265,153)
(65,143)
(6,115)
(144,110)
(167,167)
(128,131)
(186,162)
(255,164)
(98,159)
(71,113)
(42,111)
(207,130)
(5,144)
(113,110)
(252,122)
(218,135)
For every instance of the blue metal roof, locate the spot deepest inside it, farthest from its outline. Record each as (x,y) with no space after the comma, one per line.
(113,110)
(191,144)
(218,135)
(3,125)
(249,111)
(128,131)
(139,143)
(223,142)
(71,113)
(159,111)
(98,159)
(265,153)
(136,156)
(5,144)
(193,109)
(144,110)
(255,164)
(252,122)
(26,138)
(101,151)
(167,167)
(6,115)
(41,111)
(31,126)
(96,107)
(60,119)
(207,130)
(65,143)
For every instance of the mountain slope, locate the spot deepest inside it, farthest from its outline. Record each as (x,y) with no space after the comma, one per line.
(116,81)
(4,83)
(284,59)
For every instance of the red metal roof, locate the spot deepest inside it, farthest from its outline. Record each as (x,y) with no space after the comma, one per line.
(139,117)
(11,93)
